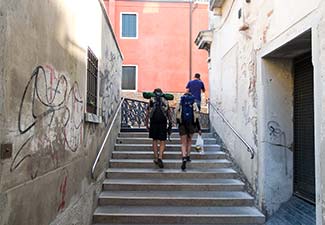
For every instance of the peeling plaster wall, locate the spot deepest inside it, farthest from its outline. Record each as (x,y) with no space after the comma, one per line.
(270,18)
(235,81)
(276,180)
(43,56)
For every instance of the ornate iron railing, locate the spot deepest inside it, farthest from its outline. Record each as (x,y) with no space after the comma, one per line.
(134,115)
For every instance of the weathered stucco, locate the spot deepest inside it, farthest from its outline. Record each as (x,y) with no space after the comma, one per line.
(319,61)
(255,91)
(276,165)
(43,56)
(2,77)
(233,79)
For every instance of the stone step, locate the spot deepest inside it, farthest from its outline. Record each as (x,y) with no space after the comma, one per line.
(175,198)
(169,147)
(172,184)
(169,224)
(146,135)
(136,191)
(146,140)
(148,173)
(167,155)
(169,163)
(177,215)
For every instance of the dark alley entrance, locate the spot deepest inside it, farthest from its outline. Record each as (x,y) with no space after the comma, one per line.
(304,153)
(289,100)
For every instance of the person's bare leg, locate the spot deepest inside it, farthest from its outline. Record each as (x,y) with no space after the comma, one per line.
(161,154)
(184,145)
(189,145)
(162,149)
(155,149)
(184,151)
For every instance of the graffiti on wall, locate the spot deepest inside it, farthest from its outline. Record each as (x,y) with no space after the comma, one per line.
(50,115)
(63,190)
(110,87)
(277,137)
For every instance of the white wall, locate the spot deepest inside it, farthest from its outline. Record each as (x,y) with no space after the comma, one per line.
(255,93)
(276,135)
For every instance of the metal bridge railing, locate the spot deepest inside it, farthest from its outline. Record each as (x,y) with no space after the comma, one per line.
(134,115)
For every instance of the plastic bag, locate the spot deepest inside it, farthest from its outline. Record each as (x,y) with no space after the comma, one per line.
(199,144)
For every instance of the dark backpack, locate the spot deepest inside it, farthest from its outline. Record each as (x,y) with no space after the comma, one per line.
(187,101)
(159,109)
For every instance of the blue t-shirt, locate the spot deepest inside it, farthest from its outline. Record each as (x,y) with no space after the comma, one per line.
(195,86)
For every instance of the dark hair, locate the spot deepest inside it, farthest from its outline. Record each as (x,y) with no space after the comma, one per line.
(197,75)
(157,90)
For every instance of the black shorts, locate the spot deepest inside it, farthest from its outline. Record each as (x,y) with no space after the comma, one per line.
(158,131)
(186,129)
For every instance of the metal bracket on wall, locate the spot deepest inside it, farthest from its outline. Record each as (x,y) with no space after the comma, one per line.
(6,151)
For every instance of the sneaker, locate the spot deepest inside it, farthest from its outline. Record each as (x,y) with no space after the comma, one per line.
(160,163)
(183,167)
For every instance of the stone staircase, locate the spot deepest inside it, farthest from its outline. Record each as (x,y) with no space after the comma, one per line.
(137,192)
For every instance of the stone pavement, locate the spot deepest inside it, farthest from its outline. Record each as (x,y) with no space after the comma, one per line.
(294,212)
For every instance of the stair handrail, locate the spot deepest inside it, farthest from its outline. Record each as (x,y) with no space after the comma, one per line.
(106,137)
(249,148)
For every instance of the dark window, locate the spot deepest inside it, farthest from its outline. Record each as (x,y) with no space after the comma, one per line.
(129,25)
(92,76)
(128,78)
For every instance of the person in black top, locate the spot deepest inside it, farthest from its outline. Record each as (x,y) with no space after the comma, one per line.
(158,113)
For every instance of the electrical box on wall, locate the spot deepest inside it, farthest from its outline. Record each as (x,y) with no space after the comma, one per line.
(6,151)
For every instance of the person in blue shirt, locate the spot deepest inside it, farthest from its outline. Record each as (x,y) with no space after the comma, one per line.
(195,86)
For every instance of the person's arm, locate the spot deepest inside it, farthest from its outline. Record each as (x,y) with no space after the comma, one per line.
(147,119)
(187,88)
(178,113)
(198,126)
(196,112)
(170,124)
(203,88)
(148,115)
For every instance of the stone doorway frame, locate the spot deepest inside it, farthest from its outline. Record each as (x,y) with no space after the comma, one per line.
(308,23)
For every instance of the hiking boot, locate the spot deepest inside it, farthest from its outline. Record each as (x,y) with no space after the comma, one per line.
(188,159)
(160,163)
(184,160)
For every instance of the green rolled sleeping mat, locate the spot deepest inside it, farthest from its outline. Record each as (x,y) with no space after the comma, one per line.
(148,95)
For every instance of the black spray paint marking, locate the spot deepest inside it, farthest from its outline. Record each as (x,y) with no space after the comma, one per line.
(51,95)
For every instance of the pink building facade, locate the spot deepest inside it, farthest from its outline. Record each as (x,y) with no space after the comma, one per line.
(157,42)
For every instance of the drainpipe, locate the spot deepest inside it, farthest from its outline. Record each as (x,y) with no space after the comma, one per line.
(190,39)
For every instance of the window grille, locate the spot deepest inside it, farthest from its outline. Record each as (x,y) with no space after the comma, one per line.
(92,79)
